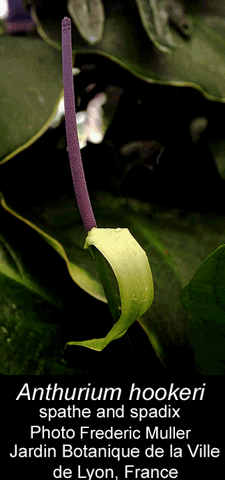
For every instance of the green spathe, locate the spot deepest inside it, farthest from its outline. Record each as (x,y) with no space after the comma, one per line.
(130,265)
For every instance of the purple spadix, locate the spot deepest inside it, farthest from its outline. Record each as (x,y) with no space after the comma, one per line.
(76,165)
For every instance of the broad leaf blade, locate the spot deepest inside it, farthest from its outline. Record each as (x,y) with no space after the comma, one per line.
(30,90)
(204,298)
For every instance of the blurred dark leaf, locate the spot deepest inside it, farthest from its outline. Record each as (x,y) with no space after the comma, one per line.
(197,60)
(155,19)
(178,16)
(32,305)
(89,18)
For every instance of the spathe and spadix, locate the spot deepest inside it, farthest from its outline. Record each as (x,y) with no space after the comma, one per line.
(118,247)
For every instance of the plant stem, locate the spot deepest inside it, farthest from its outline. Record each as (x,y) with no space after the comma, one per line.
(76,165)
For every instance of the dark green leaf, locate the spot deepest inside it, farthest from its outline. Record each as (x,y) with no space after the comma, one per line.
(30,89)
(204,298)
(32,304)
(197,61)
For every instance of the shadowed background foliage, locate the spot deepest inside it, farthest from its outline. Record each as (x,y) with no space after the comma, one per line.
(154,163)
